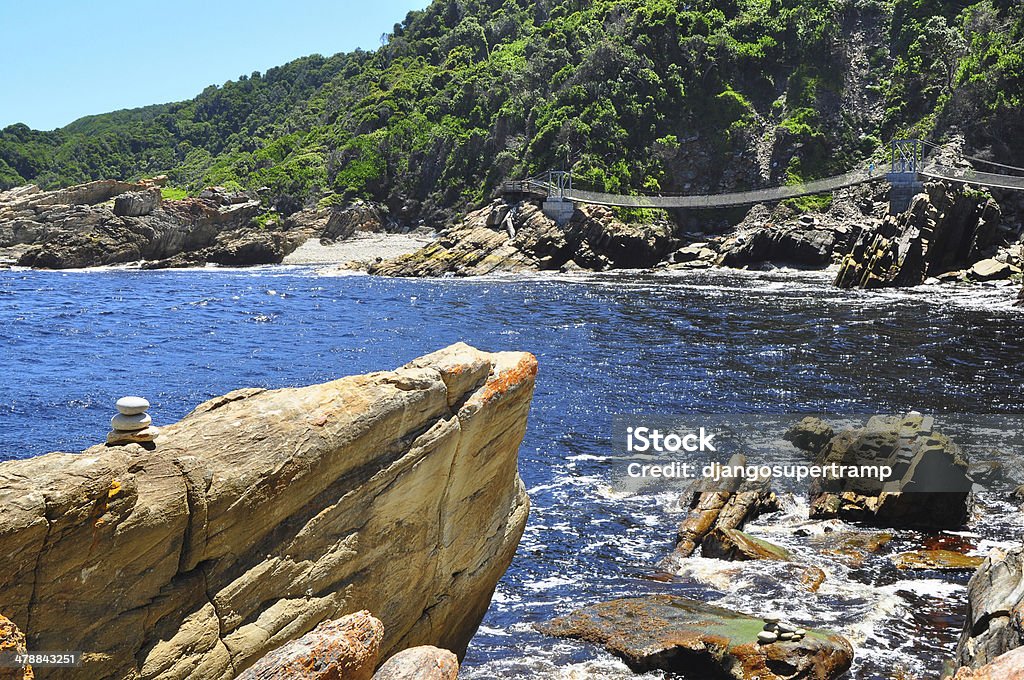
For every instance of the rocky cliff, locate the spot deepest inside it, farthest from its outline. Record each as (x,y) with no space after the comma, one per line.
(263,513)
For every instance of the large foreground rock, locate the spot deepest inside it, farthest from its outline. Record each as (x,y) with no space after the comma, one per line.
(995,609)
(662,632)
(346,649)
(929,487)
(263,513)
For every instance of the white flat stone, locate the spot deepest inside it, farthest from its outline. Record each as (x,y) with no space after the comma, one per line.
(123,423)
(131,406)
(766,637)
(139,436)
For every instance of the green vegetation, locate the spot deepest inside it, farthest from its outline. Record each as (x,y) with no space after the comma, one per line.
(644,96)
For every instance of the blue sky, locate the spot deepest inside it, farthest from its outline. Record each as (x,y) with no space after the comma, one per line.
(63,59)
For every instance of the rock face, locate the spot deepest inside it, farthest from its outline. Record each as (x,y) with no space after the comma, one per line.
(346,649)
(12,641)
(503,237)
(929,488)
(995,610)
(662,632)
(74,228)
(137,203)
(420,663)
(944,230)
(263,513)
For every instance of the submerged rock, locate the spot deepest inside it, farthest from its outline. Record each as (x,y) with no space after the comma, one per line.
(929,487)
(346,649)
(678,635)
(733,544)
(940,560)
(728,505)
(265,512)
(995,609)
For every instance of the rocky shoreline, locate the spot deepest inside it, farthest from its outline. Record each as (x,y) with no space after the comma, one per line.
(949,234)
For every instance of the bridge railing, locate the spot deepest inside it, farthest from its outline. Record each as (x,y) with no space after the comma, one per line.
(718,200)
(971,176)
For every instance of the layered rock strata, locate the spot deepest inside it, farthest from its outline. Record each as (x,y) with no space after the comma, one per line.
(263,513)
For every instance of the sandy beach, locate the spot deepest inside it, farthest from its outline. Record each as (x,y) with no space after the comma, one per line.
(358,251)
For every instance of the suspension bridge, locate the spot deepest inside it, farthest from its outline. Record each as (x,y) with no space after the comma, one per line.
(909,168)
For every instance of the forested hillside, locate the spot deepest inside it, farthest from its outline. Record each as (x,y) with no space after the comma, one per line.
(632,95)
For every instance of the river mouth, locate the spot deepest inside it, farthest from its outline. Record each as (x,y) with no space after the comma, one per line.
(624,343)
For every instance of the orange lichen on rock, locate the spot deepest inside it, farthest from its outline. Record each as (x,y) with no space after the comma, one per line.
(12,641)
(523,372)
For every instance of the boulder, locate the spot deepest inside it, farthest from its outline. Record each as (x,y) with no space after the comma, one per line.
(929,487)
(357,217)
(678,635)
(810,434)
(995,609)
(989,270)
(346,649)
(265,512)
(1009,666)
(733,544)
(420,663)
(137,203)
(12,641)
(945,229)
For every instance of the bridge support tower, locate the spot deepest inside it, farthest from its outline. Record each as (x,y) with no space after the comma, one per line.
(558,206)
(904,180)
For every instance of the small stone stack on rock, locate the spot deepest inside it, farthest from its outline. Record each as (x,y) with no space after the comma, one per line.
(132,424)
(776,630)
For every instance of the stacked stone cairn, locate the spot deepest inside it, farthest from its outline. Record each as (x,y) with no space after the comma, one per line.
(776,630)
(132,424)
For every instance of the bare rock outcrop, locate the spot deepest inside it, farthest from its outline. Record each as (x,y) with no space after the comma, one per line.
(945,229)
(264,513)
(1009,666)
(79,227)
(346,649)
(718,507)
(929,487)
(506,237)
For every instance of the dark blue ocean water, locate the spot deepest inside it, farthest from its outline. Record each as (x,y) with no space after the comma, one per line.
(72,343)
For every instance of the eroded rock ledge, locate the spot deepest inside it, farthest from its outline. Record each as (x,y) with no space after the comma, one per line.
(264,513)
